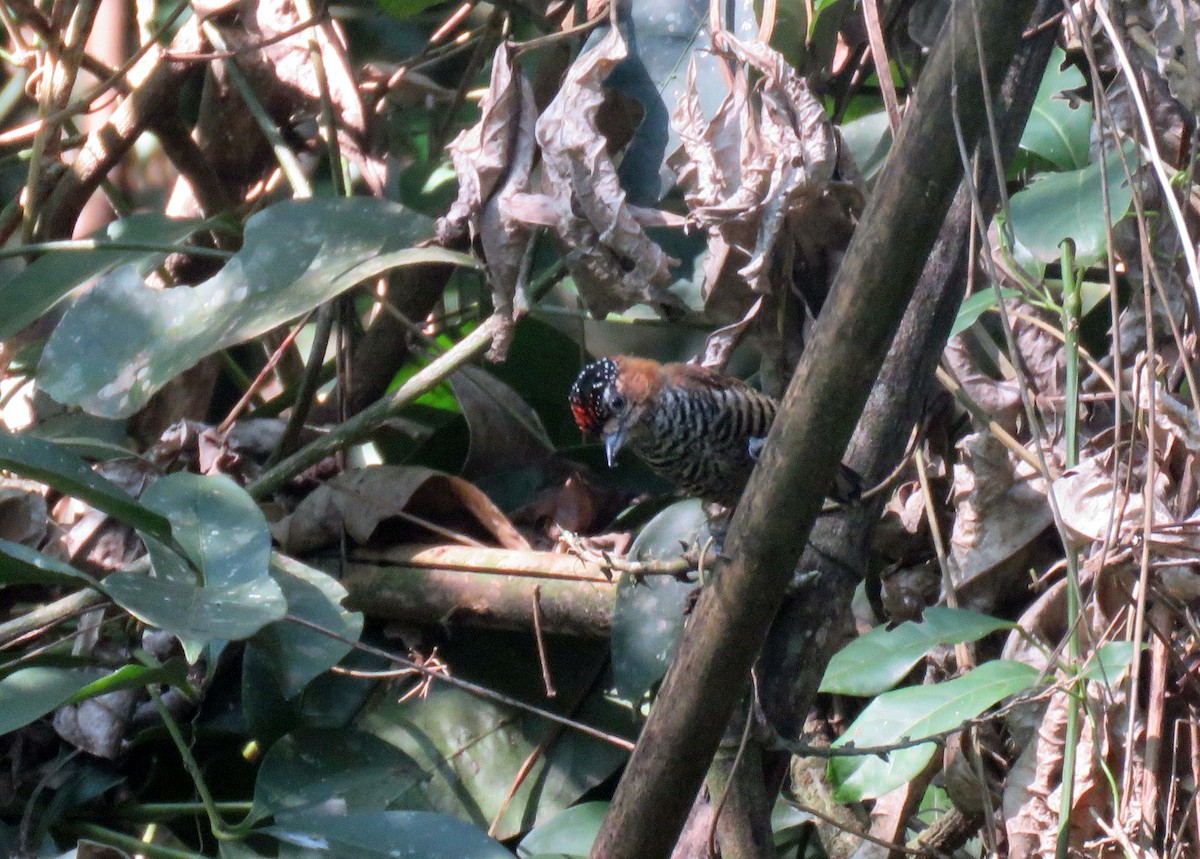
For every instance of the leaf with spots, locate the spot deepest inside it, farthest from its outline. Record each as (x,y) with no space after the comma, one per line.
(296,255)
(223,590)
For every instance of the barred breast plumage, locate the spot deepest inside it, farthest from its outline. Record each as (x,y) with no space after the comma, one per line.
(692,425)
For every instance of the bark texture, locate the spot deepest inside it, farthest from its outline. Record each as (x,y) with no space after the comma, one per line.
(819,413)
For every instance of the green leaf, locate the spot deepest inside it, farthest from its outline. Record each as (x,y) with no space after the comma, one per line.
(648,615)
(329,701)
(1071,205)
(976,305)
(21,565)
(224,535)
(428,186)
(473,749)
(310,767)
(173,672)
(296,255)
(55,466)
(809,43)
(388,834)
(877,661)
(1109,662)
(568,833)
(662,36)
(31,693)
(406,8)
(1057,131)
(913,713)
(45,281)
(297,654)
(869,139)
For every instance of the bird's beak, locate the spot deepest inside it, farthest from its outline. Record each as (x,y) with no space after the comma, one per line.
(613,442)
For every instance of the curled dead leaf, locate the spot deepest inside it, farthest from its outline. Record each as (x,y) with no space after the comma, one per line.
(615,264)
(493,160)
(763,160)
(356,503)
(1033,793)
(719,345)
(1097,503)
(1000,508)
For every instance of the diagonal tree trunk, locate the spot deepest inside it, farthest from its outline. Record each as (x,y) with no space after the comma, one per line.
(819,413)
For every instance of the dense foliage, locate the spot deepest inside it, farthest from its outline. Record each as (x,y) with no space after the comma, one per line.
(302,553)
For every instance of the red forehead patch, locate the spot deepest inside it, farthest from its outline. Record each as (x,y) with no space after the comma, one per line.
(588,405)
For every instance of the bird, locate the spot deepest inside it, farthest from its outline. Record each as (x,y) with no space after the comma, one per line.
(698,428)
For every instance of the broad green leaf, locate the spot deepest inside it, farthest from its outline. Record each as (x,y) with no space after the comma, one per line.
(296,255)
(877,661)
(31,693)
(52,464)
(662,36)
(913,713)
(869,139)
(541,366)
(428,186)
(295,653)
(310,767)
(227,593)
(241,850)
(388,835)
(568,833)
(45,281)
(1109,662)
(809,43)
(976,305)
(21,565)
(648,615)
(789,824)
(329,701)
(1057,131)
(473,749)
(1071,205)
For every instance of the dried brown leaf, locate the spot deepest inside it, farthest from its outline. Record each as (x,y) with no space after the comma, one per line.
(356,503)
(1000,508)
(719,345)
(493,160)
(616,264)
(999,398)
(278,59)
(98,726)
(788,151)
(708,162)
(1033,794)
(1177,42)
(24,517)
(1097,504)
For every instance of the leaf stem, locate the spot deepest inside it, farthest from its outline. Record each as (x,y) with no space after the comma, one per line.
(132,844)
(365,422)
(1071,306)
(220,828)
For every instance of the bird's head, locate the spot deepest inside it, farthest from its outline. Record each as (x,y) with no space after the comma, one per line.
(603,406)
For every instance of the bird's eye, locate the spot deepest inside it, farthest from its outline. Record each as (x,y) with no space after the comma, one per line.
(616,401)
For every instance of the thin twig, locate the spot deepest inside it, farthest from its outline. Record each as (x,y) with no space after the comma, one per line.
(540,640)
(866,836)
(466,685)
